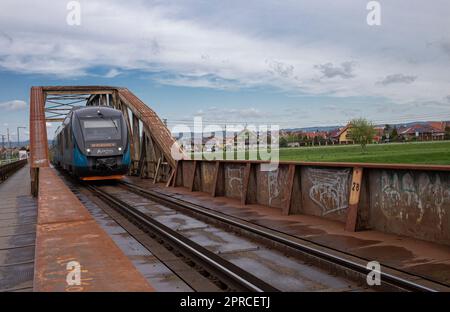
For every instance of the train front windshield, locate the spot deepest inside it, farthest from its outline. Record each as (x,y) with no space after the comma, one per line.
(101,129)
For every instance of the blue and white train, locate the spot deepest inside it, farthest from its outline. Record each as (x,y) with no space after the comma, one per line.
(93,143)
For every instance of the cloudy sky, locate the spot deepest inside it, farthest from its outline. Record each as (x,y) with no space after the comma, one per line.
(294,63)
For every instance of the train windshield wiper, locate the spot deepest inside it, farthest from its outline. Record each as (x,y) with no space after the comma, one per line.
(112,120)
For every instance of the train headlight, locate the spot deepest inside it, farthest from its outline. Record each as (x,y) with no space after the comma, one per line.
(119,149)
(88,150)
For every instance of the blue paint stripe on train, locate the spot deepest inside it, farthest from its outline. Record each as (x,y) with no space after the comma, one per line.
(126,160)
(79,159)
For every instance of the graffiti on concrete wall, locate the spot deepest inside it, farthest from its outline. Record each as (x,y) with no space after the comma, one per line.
(404,198)
(273,185)
(235,177)
(329,189)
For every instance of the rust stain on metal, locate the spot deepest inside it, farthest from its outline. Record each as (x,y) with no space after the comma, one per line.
(245,183)
(38,129)
(66,232)
(355,190)
(288,190)
(215,178)
(157,129)
(341,164)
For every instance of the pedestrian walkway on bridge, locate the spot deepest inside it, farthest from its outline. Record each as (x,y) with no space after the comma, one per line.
(18,213)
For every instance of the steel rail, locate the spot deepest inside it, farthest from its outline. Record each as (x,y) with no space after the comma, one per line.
(239,276)
(268,234)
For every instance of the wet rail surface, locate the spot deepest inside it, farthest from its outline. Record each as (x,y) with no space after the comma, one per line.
(332,259)
(283,272)
(134,243)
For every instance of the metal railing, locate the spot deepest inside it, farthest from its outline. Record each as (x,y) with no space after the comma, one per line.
(8,168)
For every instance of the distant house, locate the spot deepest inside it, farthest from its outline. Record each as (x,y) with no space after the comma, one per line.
(245,137)
(196,143)
(212,144)
(423,132)
(379,133)
(333,135)
(439,125)
(342,136)
(316,134)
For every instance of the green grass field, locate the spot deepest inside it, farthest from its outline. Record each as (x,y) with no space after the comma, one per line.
(437,153)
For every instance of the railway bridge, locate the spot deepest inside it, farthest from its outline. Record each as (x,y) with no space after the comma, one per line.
(199,225)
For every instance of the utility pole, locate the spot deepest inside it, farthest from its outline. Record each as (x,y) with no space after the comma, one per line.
(18,136)
(9,143)
(3,145)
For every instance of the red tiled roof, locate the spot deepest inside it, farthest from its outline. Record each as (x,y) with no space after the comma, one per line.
(425,128)
(438,125)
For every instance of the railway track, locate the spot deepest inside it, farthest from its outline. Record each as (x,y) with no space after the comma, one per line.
(227,271)
(236,275)
(396,279)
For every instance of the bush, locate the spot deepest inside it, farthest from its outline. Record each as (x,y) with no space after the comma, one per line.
(362,132)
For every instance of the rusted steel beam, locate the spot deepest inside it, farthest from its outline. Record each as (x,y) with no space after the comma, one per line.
(175,173)
(54,119)
(245,183)
(169,180)
(155,175)
(343,164)
(355,191)
(159,132)
(143,156)
(79,92)
(191,182)
(79,89)
(289,189)
(136,133)
(215,179)
(38,129)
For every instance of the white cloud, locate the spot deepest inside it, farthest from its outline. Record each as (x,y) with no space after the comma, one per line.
(14,105)
(307,48)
